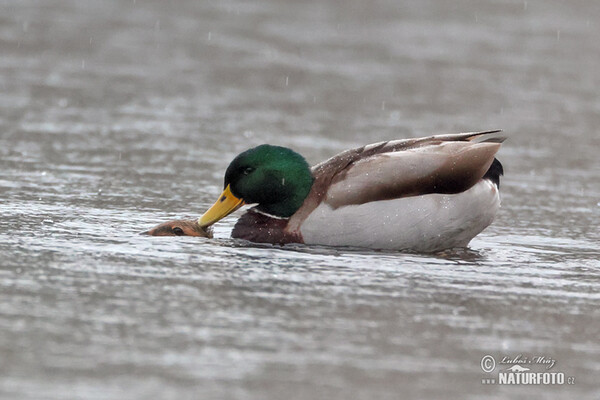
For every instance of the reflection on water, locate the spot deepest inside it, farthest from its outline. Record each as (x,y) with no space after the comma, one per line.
(117,116)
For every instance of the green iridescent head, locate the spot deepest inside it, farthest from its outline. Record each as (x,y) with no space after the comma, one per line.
(276,178)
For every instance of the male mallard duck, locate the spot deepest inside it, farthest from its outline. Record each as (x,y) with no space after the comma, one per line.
(425,194)
(179,227)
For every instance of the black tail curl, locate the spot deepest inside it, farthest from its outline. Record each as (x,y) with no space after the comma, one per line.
(494,172)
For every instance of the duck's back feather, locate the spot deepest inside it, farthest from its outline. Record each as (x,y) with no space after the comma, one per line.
(445,168)
(401,168)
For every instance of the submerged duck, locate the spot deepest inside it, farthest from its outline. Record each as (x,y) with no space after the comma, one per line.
(179,227)
(424,194)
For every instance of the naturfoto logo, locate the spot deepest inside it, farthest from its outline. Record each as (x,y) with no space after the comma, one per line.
(520,371)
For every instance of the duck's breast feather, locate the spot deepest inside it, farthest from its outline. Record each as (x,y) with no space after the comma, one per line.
(447,167)
(261,228)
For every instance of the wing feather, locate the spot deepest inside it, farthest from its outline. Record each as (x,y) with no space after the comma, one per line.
(450,167)
(441,163)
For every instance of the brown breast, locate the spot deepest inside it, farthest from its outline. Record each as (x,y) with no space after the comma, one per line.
(260,228)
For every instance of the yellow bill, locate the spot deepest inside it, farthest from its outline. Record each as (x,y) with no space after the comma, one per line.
(226,204)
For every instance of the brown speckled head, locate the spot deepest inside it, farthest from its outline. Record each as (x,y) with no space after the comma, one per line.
(179,227)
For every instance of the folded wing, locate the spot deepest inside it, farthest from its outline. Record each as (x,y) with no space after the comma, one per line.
(447,167)
(401,168)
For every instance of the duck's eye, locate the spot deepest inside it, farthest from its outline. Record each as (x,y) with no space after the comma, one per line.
(177,231)
(247,170)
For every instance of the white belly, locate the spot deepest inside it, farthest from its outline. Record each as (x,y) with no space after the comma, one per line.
(425,223)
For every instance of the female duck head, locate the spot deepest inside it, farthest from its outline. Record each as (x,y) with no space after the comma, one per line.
(276,178)
(179,227)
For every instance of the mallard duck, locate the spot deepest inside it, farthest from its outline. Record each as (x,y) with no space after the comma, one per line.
(179,227)
(424,194)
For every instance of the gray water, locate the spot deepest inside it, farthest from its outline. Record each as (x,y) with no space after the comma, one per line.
(118,115)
